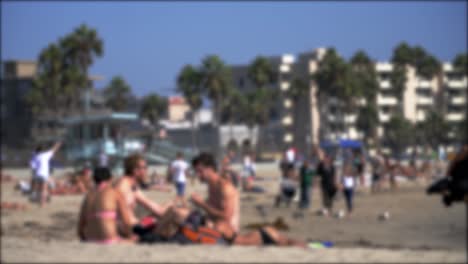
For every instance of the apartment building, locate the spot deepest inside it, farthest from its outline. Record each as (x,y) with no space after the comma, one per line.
(24,127)
(302,122)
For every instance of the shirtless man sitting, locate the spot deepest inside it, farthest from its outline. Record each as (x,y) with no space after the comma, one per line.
(135,169)
(222,204)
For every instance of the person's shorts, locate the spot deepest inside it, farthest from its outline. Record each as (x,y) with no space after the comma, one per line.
(375,177)
(359,168)
(39,179)
(288,193)
(180,188)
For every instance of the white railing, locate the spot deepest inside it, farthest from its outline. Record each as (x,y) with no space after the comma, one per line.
(457,84)
(455,117)
(384,117)
(424,101)
(385,84)
(386,100)
(458,100)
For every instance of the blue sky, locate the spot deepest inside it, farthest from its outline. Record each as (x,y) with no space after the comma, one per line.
(149,42)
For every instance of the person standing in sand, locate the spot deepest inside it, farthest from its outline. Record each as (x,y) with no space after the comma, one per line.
(43,171)
(179,171)
(348,181)
(129,185)
(326,170)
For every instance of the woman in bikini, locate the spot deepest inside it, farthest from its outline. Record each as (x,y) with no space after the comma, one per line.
(104,214)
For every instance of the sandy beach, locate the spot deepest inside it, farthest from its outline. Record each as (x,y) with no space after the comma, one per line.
(420,229)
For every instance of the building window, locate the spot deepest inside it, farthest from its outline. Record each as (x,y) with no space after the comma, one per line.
(241,83)
(453,76)
(424,92)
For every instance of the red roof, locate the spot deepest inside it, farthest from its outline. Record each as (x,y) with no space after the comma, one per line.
(176,100)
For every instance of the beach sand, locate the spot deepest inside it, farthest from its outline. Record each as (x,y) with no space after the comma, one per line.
(420,229)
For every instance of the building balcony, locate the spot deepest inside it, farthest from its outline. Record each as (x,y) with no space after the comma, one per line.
(457,84)
(424,101)
(332,118)
(288,59)
(285,68)
(385,84)
(386,100)
(459,100)
(288,138)
(421,116)
(384,117)
(424,84)
(284,86)
(350,119)
(287,120)
(455,117)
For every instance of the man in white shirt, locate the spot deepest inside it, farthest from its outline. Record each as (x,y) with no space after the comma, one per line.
(103,159)
(290,156)
(42,161)
(179,170)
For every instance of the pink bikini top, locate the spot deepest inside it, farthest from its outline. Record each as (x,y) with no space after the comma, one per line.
(106,214)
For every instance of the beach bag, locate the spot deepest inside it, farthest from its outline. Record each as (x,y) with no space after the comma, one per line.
(201,235)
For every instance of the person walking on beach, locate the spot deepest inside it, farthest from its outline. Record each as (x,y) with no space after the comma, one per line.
(33,166)
(359,164)
(307,173)
(179,171)
(348,182)
(326,170)
(378,170)
(43,171)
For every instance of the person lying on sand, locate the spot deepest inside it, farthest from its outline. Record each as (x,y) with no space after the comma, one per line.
(6,178)
(101,211)
(13,206)
(129,185)
(156,183)
(186,226)
(78,183)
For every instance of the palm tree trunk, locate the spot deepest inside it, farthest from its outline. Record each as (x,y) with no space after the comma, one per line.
(231,130)
(194,140)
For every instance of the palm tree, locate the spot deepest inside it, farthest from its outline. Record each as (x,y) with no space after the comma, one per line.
(249,111)
(80,49)
(297,90)
(47,89)
(189,85)
(460,63)
(434,129)
(367,122)
(261,101)
(365,76)
(153,107)
(233,107)
(261,73)
(82,46)
(399,134)
(117,94)
(335,80)
(216,77)
(403,56)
